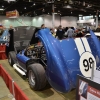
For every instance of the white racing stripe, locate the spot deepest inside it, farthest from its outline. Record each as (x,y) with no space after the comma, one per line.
(86,44)
(79,45)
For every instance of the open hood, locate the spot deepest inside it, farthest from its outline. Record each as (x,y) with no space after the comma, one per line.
(21,37)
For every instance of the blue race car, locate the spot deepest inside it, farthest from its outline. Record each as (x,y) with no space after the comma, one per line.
(58,61)
(4,36)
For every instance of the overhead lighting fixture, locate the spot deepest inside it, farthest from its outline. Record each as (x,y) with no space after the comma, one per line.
(9,0)
(80,15)
(2,6)
(83,3)
(55,13)
(48,13)
(33,4)
(43,10)
(89,6)
(70,2)
(1,9)
(50,1)
(30,0)
(65,1)
(71,12)
(24,7)
(67,6)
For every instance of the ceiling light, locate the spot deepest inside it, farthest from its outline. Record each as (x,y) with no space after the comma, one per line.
(2,6)
(55,13)
(43,10)
(1,9)
(71,12)
(48,13)
(9,0)
(65,2)
(89,6)
(67,6)
(70,2)
(83,3)
(80,15)
(34,4)
(24,7)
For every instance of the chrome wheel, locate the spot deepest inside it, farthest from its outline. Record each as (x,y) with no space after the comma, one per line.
(32,78)
(9,59)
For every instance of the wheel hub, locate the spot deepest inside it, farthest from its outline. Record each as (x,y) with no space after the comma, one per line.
(9,59)
(32,77)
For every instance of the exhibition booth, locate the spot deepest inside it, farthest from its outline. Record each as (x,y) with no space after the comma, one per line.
(48,56)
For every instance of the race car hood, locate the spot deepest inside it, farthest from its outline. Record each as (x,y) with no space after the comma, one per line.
(67,58)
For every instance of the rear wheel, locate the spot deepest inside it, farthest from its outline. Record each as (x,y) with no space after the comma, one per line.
(36,76)
(12,58)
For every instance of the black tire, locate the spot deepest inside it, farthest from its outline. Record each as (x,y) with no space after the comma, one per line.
(12,58)
(37,71)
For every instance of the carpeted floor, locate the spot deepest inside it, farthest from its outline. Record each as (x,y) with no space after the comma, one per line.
(47,94)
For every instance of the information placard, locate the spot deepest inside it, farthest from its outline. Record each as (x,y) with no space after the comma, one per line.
(87,89)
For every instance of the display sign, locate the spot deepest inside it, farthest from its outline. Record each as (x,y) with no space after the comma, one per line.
(12,14)
(87,89)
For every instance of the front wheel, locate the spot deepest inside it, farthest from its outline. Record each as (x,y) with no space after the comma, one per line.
(36,76)
(12,58)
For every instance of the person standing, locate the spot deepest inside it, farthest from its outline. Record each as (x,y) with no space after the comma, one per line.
(60,32)
(70,33)
(42,26)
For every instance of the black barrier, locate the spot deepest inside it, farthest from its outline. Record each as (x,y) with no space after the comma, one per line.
(87,89)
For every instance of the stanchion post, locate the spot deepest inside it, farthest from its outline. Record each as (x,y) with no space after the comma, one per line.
(53,16)
(92,72)
(13,88)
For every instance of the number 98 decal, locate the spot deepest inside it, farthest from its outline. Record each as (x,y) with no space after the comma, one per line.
(87,60)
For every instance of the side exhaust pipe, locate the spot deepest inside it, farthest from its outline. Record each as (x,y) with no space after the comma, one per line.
(19,70)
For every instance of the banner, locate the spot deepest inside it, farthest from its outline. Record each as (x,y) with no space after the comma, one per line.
(12,14)
(87,89)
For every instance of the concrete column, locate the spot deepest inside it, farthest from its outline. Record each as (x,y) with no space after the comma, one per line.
(53,16)
(96,21)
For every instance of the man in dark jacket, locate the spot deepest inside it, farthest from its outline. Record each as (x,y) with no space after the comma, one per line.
(60,32)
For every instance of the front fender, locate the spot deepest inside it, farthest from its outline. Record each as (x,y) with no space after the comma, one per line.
(59,70)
